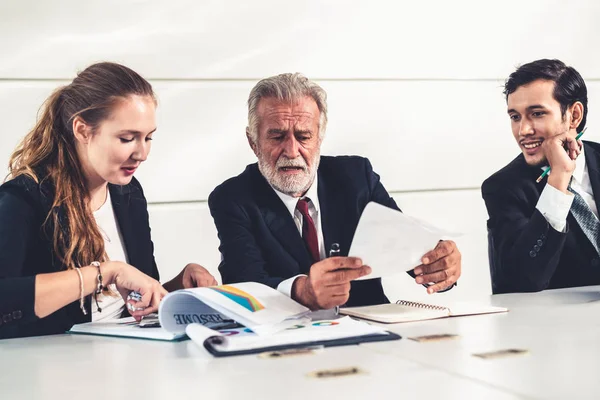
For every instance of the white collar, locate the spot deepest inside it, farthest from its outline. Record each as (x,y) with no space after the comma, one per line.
(291,202)
(580,167)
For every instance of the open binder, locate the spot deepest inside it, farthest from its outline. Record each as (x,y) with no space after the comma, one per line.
(258,307)
(305,334)
(241,318)
(127,328)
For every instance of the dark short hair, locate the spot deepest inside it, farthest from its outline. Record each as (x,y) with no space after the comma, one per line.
(569,86)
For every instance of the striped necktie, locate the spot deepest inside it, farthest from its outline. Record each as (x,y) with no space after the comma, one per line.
(586,219)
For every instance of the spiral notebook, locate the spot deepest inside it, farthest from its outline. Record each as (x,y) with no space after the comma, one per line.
(409,311)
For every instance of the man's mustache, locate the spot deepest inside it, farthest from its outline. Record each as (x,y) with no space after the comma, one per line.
(287,162)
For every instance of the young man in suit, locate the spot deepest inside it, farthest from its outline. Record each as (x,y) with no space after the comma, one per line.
(545,235)
(278,219)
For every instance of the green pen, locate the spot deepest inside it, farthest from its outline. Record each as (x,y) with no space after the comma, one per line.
(547,170)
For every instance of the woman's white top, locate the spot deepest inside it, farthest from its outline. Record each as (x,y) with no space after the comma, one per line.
(112,304)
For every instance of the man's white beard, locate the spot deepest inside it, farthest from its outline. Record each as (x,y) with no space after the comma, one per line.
(293,184)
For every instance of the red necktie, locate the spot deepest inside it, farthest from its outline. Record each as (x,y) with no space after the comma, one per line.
(309,232)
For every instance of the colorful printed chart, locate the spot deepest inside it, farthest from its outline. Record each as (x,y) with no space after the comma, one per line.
(242,298)
(311,326)
(229,332)
(325,323)
(295,327)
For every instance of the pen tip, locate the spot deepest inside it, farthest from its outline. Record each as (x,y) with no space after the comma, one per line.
(538,180)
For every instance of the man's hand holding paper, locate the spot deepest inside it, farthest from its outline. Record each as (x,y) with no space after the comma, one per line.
(391,242)
(328,283)
(440,266)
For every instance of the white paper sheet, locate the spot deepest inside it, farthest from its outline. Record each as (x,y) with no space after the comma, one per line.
(125,327)
(391,242)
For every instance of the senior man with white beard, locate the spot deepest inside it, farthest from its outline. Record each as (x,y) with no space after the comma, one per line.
(279,218)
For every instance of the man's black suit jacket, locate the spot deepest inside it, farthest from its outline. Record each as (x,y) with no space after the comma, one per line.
(25,251)
(260,241)
(526,253)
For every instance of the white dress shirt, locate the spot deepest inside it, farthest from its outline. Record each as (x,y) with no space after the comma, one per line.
(555,205)
(112,304)
(290,202)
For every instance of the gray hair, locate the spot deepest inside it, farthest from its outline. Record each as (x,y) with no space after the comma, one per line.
(286,87)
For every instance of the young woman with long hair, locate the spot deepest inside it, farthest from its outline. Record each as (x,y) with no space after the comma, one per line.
(74,231)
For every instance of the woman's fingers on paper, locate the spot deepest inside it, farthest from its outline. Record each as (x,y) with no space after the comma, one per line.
(135,307)
(136,303)
(151,308)
(156,298)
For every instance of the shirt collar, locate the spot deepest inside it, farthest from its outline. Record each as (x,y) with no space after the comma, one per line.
(290,202)
(580,167)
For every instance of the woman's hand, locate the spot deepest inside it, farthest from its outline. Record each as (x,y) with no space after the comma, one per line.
(128,279)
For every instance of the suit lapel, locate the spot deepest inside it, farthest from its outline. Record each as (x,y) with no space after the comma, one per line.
(120,201)
(279,221)
(332,216)
(530,174)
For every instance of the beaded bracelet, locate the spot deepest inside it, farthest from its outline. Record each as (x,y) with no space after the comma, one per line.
(99,285)
(81,292)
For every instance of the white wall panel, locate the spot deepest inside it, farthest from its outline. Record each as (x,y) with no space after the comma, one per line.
(460,211)
(414,86)
(184,233)
(418,135)
(463,39)
(19,104)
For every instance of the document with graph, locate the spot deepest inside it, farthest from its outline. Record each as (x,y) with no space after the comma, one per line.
(258,307)
(305,336)
(252,305)
(272,322)
(240,318)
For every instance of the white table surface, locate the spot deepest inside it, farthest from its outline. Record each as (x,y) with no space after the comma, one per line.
(559,328)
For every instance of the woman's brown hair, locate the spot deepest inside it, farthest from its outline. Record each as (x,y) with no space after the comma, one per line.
(49,153)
